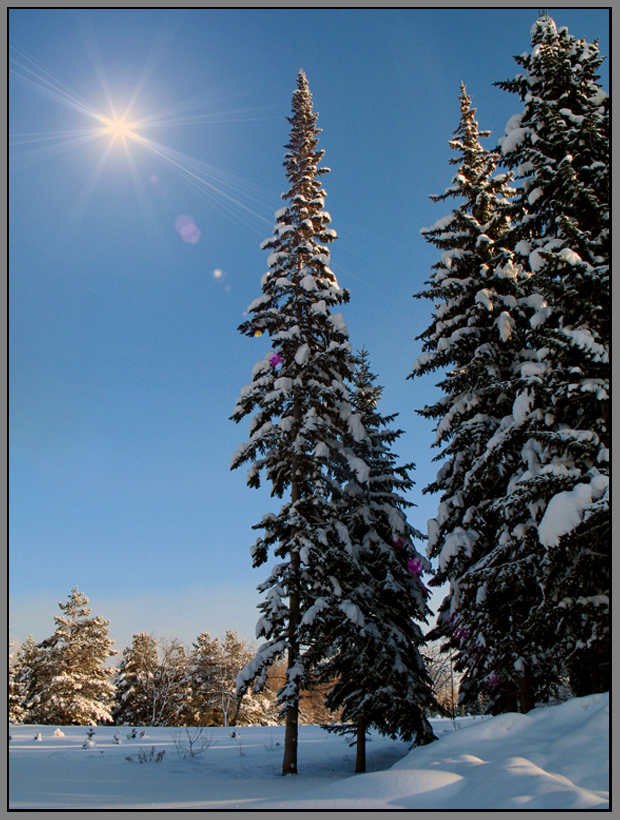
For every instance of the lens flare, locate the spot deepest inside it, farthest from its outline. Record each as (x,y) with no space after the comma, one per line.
(187,228)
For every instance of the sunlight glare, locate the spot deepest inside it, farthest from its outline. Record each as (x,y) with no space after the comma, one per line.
(119,127)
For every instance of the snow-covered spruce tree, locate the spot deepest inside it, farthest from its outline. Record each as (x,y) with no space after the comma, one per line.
(78,689)
(370,639)
(557,502)
(29,679)
(201,665)
(250,709)
(16,688)
(299,401)
(232,657)
(135,682)
(477,340)
(213,667)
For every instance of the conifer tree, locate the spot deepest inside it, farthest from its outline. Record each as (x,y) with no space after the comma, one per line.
(203,658)
(135,682)
(16,688)
(212,673)
(557,502)
(29,682)
(75,687)
(477,339)
(370,639)
(152,685)
(300,405)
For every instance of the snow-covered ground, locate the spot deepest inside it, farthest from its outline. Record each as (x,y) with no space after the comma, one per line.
(552,758)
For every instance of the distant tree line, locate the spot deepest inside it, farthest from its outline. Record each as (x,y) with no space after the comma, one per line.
(66,679)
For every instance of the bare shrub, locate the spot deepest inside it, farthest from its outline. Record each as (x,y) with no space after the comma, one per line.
(192,742)
(146,756)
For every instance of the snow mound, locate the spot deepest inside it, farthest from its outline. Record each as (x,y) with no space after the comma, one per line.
(552,758)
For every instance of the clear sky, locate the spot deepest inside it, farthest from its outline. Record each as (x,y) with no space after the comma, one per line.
(125,360)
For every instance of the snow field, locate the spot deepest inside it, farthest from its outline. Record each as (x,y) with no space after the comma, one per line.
(554,758)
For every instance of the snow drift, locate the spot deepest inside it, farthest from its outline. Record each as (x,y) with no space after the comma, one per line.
(552,758)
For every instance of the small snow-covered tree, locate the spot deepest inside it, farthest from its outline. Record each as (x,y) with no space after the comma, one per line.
(557,500)
(30,680)
(233,656)
(299,401)
(78,689)
(373,596)
(202,660)
(16,688)
(135,682)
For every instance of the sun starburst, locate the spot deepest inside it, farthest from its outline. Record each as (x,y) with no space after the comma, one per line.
(119,127)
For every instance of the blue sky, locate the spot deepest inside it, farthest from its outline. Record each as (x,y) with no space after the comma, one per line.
(125,361)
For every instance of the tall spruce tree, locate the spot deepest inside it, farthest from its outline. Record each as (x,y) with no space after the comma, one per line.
(75,686)
(370,639)
(477,340)
(300,405)
(557,501)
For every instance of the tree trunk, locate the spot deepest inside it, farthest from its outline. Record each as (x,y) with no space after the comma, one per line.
(360,758)
(588,670)
(289,760)
(511,697)
(526,692)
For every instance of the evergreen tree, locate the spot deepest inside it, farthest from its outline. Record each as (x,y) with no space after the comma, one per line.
(229,661)
(556,505)
(29,681)
(252,707)
(152,684)
(74,686)
(16,688)
(203,659)
(135,682)
(212,673)
(477,339)
(300,402)
(370,642)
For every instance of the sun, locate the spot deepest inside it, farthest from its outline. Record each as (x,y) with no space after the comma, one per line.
(118,127)
(124,128)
